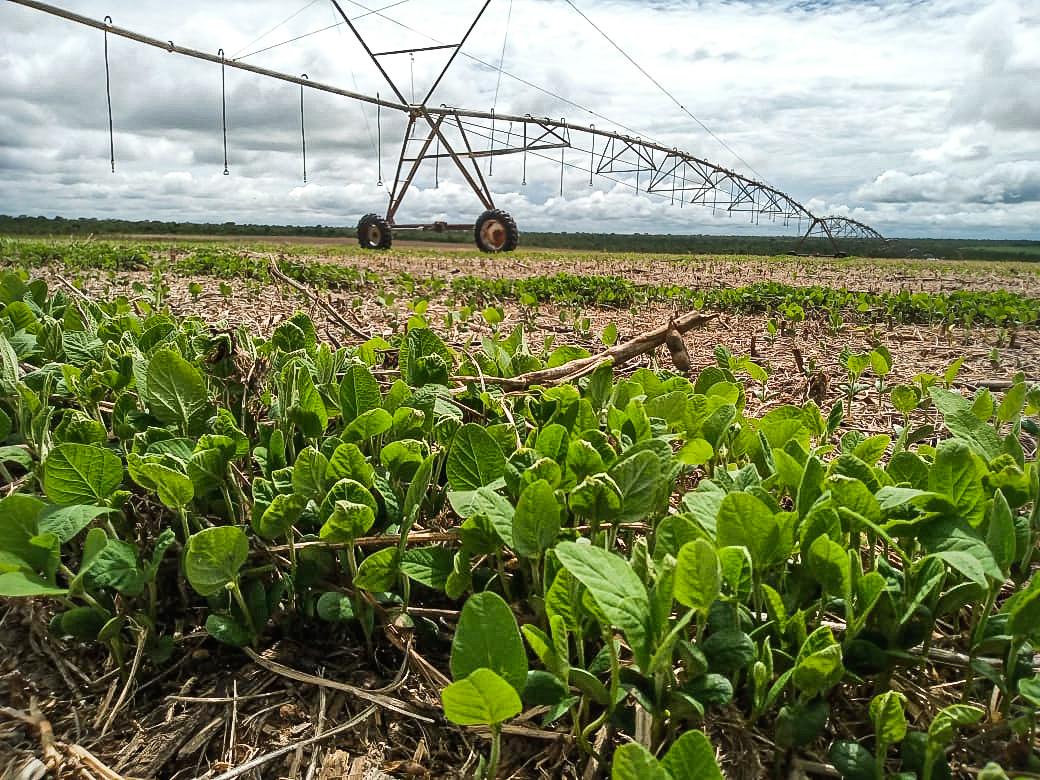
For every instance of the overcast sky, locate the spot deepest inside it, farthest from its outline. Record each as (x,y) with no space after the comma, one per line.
(918,117)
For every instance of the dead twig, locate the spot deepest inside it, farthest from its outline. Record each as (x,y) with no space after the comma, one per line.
(617,355)
(248,766)
(386,702)
(325,306)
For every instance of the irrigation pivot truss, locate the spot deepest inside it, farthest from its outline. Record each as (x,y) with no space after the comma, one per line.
(464,137)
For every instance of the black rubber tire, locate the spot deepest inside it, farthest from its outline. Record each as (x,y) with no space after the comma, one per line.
(374,232)
(496,231)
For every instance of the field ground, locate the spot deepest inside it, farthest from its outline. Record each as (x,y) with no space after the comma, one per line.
(211,711)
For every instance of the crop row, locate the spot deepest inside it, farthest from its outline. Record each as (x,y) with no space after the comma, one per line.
(794,303)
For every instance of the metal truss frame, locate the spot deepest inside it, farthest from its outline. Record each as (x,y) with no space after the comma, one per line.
(669,171)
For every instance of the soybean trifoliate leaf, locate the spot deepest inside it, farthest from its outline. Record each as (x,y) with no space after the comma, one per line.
(214,557)
(632,761)
(430,566)
(536,521)
(853,761)
(379,571)
(940,731)
(347,522)
(639,479)
(278,518)
(17,584)
(474,460)
(955,474)
(309,473)
(346,490)
(18,526)
(174,488)
(372,423)
(358,392)
(482,698)
(886,714)
(176,392)
(81,474)
(829,564)
(698,575)
(487,636)
(615,588)
(692,757)
(335,607)
(744,520)
(1000,534)
(117,567)
(348,462)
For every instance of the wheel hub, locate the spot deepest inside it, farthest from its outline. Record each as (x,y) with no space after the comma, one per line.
(494,234)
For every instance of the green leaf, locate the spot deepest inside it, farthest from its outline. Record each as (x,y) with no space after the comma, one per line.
(474,460)
(117,567)
(609,336)
(543,689)
(81,474)
(302,403)
(639,478)
(228,630)
(485,501)
(853,761)
(280,516)
(729,650)
(482,698)
(430,566)
(18,527)
(347,522)
(829,564)
(378,572)
(954,474)
(698,575)
(335,607)
(348,462)
(487,637)
(818,667)
(422,343)
(19,584)
(536,521)
(308,477)
(176,392)
(616,590)
(945,534)
(692,757)
(358,392)
(696,452)
(744,521)
(174,488)
(886,714)
(632,761)
(1000,533)
(368,425)
(941,729)
(963,423)
(416,493)
(214,557)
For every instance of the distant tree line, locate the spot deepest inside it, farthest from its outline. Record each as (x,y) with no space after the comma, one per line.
(941,248)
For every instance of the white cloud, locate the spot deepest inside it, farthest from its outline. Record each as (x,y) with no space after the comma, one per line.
(913,117)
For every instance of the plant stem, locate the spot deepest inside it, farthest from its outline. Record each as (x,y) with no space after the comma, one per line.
(184,524)
(979,621)
(240,600)
(496,748)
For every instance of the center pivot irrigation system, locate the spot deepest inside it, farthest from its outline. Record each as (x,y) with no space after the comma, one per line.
(465,137)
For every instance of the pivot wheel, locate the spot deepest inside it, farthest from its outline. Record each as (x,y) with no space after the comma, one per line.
(496,231)
(373,232)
